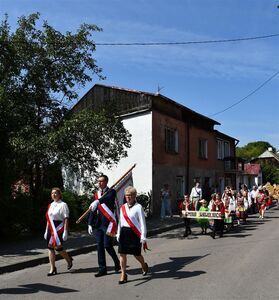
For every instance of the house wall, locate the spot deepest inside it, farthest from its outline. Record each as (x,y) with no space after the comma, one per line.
(210,168)
(140,153)
(168,167)
(210,163)
(262,161)
(179,170)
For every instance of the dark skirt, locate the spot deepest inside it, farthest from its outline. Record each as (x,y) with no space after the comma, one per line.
(49,246)
(129,243)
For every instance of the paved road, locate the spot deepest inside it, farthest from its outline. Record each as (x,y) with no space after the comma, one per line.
(244,264)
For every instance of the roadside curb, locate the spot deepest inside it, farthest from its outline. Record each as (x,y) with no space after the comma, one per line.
(86,249)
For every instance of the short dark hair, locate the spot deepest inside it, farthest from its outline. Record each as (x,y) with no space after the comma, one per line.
(104,176)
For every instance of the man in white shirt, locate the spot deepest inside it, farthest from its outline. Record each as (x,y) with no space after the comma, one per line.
(254,194)
(196,195)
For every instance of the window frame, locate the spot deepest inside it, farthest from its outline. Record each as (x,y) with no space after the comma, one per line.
(171,140)
(203,148)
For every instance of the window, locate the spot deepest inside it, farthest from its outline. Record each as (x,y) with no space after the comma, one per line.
(223,149)
(203,148)
(226,149)
(220,152)
(171,136)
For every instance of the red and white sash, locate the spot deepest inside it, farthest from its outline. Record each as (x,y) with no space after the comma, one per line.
(133,223)
(55,231)
(104,209)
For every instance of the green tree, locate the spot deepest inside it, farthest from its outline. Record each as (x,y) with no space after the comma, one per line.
(270,173)
(40,72)
(252,150)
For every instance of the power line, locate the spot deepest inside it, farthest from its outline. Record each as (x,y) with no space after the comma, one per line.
(188,42)
(250,94)
(165,43)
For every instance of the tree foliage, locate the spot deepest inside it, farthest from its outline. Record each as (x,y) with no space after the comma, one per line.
(40,72)
(270,173)
(252,150)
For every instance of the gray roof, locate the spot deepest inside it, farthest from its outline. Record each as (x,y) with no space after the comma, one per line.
(269,154)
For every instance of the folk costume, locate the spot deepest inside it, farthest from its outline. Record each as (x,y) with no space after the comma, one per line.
(241,209)
(230,216)
(56,214)
(218,205)
(102,218)
(261,203)
(187,205)
(204,222)
(131,229)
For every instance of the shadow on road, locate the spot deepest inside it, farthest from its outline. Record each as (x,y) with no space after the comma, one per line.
(171,269)
(85,270)
(35,288)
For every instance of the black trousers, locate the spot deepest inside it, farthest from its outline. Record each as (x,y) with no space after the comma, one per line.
(218,226)
(105,242)
(187,223)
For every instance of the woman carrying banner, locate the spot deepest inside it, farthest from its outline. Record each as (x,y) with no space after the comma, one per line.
(187,205)
(131,233)
(218,205)
(203,221)
(57,230)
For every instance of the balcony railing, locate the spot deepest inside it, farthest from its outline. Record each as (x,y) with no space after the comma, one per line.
(233,164)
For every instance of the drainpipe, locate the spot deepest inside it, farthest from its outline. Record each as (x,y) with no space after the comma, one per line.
(236,165)
(187,155)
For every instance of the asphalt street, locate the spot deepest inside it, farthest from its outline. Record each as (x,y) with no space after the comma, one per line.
(244,264)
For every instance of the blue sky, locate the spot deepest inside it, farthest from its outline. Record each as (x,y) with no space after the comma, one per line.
(204,77)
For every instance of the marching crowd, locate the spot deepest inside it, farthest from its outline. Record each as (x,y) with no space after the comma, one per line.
(129,227)
(233,206)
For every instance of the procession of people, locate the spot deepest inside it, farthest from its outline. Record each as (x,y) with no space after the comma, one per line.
(221,212)
(232,208)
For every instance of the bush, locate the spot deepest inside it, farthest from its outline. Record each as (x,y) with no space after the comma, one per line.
(19,217)
(77,206)
(25,215)
(145,201)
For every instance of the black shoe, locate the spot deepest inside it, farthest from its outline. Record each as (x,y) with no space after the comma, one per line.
(145,270)
(185,234)
(117,269)
(101,273)
(54,272)
(70,264)
(125,279)
(212,235)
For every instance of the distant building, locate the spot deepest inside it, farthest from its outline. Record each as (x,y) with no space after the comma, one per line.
(252,175)
(170,144)
(267,157)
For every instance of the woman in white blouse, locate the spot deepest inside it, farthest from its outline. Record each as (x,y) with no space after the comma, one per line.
(56,231)
(131,233)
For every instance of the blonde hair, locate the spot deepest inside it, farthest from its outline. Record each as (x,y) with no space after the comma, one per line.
(131,190)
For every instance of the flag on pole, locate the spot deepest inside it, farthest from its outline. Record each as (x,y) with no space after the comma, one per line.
(120,190)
